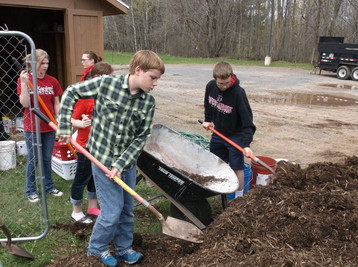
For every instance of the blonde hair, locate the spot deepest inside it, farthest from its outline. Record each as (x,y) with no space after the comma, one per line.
(40,56)
(146,60)
(222,70)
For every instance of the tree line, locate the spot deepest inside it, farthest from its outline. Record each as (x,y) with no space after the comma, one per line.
(286,30)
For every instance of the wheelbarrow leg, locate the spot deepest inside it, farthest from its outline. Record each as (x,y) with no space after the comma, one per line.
(224,201)
(181,207)
(200,208)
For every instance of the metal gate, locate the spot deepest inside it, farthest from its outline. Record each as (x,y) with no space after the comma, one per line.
(25,220)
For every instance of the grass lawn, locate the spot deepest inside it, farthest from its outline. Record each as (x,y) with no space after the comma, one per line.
(123,58)
(58,242)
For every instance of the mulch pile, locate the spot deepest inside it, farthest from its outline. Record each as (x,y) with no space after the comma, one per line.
(304,217)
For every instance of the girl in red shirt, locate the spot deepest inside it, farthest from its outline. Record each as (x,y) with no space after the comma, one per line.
(49,90)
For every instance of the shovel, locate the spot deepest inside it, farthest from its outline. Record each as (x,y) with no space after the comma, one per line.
(172,226)
(15,250)
(240,148)
(42,103)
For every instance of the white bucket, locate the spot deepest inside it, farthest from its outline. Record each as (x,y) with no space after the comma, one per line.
(21,148)
(7,155)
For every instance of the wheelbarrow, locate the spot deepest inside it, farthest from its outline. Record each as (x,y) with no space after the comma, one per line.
(185,173)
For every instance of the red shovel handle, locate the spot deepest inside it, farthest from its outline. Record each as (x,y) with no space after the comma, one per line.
(239,148)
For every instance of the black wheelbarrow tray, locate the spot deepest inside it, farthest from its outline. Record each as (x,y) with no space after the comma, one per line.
(185,173)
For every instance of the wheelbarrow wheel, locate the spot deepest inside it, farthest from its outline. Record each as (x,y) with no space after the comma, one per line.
(199,208)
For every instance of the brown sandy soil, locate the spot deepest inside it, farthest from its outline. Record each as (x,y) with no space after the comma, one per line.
(308,214)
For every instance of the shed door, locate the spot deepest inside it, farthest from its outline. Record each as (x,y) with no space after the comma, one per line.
(84,31)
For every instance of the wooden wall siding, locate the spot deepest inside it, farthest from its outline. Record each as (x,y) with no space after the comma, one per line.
(84,33)
(83,29)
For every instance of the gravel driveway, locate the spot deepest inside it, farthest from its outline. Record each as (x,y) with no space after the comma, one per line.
(299,116)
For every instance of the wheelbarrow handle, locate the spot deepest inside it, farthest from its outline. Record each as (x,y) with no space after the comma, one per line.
(102,167)
(239,148)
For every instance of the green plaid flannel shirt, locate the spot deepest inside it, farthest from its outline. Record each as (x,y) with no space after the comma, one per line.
(121,122)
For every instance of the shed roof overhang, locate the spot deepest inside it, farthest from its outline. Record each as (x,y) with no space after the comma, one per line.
(109,7)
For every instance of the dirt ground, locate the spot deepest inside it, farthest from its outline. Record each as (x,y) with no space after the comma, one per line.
(301,117)
(308,214)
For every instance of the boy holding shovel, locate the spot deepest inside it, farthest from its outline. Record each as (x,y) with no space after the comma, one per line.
(228,111)
(121,123)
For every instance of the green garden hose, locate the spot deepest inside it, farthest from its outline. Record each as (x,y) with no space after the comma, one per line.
(196,138)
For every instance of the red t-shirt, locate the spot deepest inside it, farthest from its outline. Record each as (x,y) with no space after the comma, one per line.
(83,106)
(47,88)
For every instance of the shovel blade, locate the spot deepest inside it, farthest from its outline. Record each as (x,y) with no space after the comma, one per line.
(182,230)
(15,250)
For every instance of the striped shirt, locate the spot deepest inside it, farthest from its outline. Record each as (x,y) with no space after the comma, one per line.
(121,122)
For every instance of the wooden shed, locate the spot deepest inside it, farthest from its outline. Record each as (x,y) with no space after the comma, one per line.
(63,28)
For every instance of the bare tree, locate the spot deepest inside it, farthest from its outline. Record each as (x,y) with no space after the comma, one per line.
(133,27)
(231,28)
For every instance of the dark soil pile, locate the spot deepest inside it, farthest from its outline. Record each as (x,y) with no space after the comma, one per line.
(305,217)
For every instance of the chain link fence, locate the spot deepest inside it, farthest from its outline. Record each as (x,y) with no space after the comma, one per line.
(25,220)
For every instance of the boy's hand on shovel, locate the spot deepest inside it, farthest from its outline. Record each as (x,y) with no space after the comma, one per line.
(248,152)
(207,125)
(244,151)
(114,173)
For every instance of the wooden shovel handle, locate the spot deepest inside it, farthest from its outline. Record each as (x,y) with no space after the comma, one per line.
(6,231)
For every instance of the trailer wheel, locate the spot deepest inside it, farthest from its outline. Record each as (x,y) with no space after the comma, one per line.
(200,208)
(354,74)
(343,72)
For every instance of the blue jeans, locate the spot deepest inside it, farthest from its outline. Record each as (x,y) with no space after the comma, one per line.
(47,141)
(83,178)
(116,219)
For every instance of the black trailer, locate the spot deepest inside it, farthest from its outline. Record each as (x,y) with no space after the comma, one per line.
(338,57)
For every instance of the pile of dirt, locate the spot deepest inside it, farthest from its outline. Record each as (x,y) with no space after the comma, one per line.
(305,217)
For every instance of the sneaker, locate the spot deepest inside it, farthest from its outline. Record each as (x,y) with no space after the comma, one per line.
(93,212)
(33,198)
(84,220)
(56,193)
(106,258)
(130,256)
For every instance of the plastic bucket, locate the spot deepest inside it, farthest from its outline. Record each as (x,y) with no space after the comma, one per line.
(21,148)
(7,155)
(247,176)
(247,173)
(259,173)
